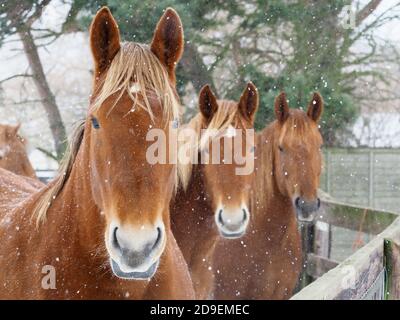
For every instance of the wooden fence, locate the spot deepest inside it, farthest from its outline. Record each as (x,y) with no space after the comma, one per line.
(366,177)
(372,272)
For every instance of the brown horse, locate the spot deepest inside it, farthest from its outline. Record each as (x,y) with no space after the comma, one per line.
(13,156)
(214,199)
(103,225)
(265,264)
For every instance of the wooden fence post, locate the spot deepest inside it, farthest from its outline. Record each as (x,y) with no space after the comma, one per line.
(371,180)
(307,241)
(323,239)
(392,264)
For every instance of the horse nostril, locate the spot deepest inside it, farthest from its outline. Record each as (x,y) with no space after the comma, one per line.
(297,202)
(244,215)
(115,239)
(318,203)
(220,217)
(158,237)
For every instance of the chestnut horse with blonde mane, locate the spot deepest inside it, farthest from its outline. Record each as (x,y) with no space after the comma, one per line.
(214,199)
(13,155)
(103,229)
(266,263)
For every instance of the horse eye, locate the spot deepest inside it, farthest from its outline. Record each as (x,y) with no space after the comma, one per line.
(280,148)
(95,123)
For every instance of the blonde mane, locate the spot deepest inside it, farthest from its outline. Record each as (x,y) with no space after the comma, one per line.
(227,114)
(64,171)
(134,65)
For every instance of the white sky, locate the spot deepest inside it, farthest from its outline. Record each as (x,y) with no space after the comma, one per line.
(389,31)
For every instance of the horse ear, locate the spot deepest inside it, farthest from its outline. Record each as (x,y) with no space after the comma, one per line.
(315,107)
(248,103)
(104,39)
(167,42)
(207,103)
(281,107)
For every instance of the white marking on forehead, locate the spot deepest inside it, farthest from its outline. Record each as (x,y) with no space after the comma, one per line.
(230,132)
(135,87)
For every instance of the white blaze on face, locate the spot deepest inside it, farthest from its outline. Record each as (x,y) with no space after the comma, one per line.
(230,132)
(4,150)
(135,87)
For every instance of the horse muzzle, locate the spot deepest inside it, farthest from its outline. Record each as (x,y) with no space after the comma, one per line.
(134,275)
(306,210)
(232,222)
(135,252)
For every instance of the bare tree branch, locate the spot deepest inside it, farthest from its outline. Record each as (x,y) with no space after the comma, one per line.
(22,75)
(37,13)
(366,11)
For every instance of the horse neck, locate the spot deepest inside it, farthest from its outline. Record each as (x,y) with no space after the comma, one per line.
(277,207)
(190,213)
(199,199)
(74,209)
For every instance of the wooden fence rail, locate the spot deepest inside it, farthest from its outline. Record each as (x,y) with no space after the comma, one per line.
(371,272)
